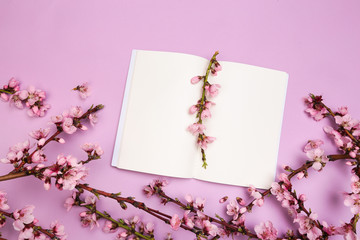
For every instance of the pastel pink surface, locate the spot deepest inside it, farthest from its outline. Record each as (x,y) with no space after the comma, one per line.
(56,45)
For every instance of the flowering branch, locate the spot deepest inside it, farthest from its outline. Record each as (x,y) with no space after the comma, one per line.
(68,173)
(27,224)
(203,106)
(69,122)
(32,98)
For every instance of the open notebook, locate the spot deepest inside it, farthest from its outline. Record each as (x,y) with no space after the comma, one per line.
(152,136)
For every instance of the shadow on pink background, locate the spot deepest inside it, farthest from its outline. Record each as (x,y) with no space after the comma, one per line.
(56,45)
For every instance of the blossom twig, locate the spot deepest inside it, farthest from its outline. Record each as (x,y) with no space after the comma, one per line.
(203,106)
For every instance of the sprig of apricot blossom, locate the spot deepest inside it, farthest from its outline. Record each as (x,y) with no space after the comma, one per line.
(32,98)
(202,108)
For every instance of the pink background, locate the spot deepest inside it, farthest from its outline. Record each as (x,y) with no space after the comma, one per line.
(55,45)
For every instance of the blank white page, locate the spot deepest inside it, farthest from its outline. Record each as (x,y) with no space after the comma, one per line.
(153,135)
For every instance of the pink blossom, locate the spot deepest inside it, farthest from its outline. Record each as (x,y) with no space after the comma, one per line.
(69,202)
(15,99)
(89,200)
(23,216)
(3,201)
(189,198)
(122,236)
(76,111)
(205,114)
(93,119)
(175,222)
(347,231)
(223,199)
(331,230)
(196,128)
(58,229)
(239,221)
(302,197)
(312,144)
(355,184)
(353,201)
(308,227)
(217,66)
(149,228)
(98,150)
(300,175)
(57,118)
(109,227)
(209,104)
(212,90)
(13,83)
(318,156)
(4,97)
(88,147)
(233,209)
(26,233)
(23,95)
(199,203)
(84,90)
(188,221)
(315,107)
(193,109)
(88,219)
(133,221)
(196,79)
(283,177)
(40,236)
(346,121)
(343,110)
(206,139)
(266,231)
(150,189)
(38,157)
(68,126)
(210,228)
(72,177)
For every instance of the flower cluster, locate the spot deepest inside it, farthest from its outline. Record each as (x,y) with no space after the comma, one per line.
(67,172)
(315,153)
(17,153)
(194,217)
(3,201)
(346,136)
(154,186)
(25,223)
(352,199)
(32,98)
(83,89)
(315,107)
(266,231)
(69,120)
(202,108)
